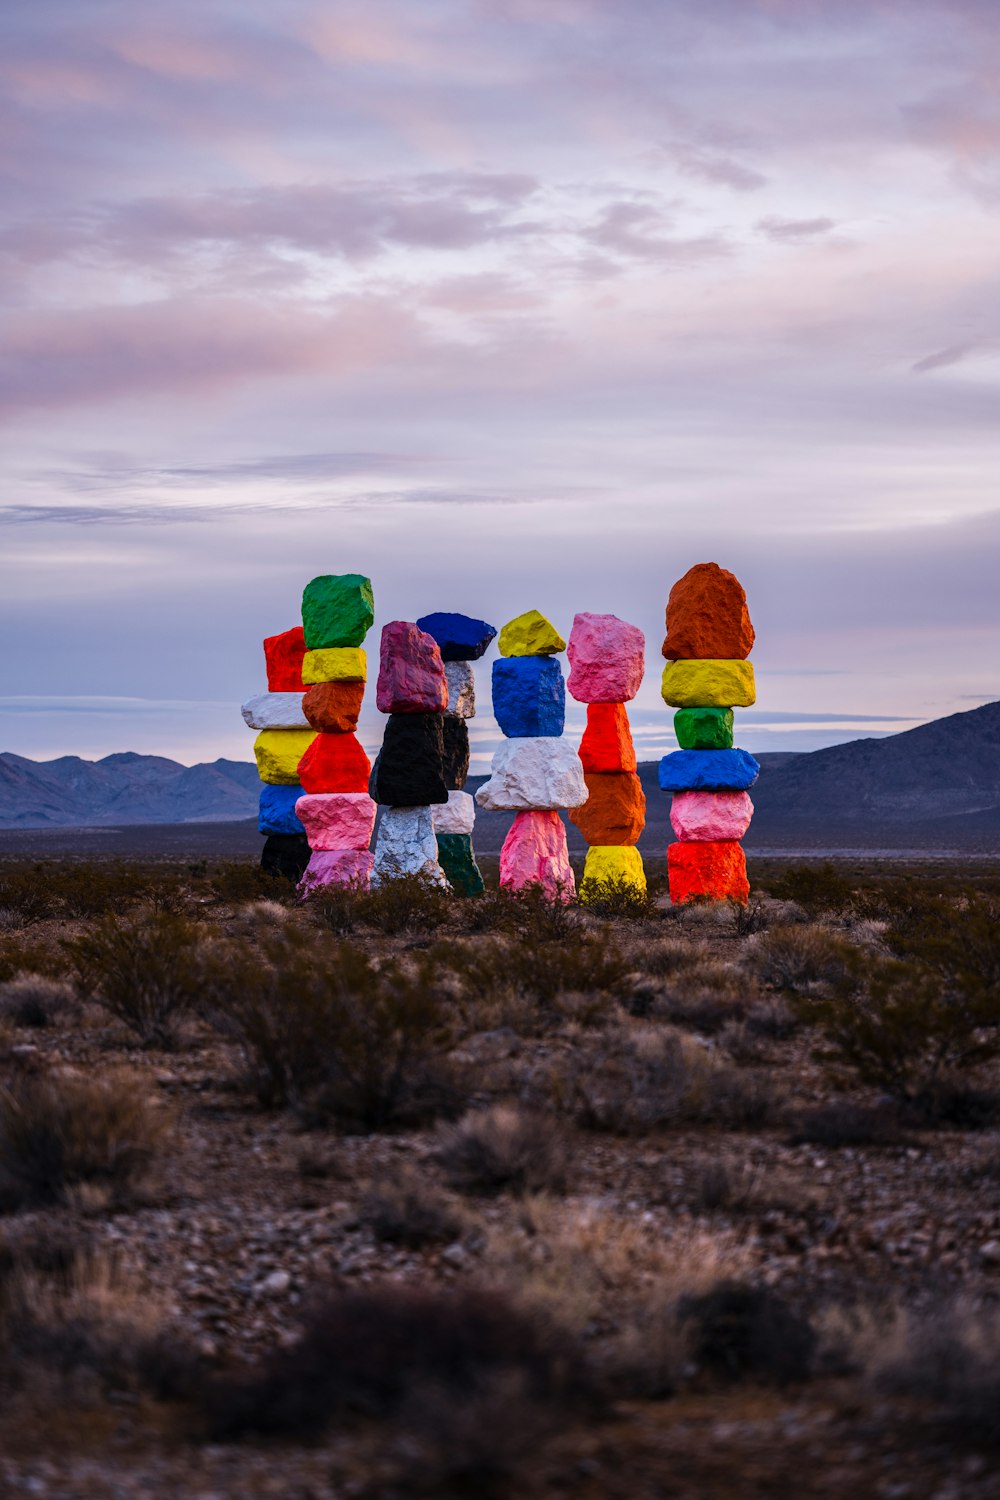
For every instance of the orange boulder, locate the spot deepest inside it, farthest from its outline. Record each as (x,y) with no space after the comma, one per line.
(607,740)
(335,763)
(707,616)
(615,811)
(333,707)
(715,871)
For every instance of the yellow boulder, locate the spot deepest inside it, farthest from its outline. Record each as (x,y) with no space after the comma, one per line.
(531,634)
(278,753)
(708,683)
(611,867)
(335,664)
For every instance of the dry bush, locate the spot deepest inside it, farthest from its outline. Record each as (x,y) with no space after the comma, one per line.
(146,969)
(18,956)
(235,882)
(743,1332)
(588,966)
(744,1188)
(804,958)
(323,1028)
(619,899)
(903,1030)
(407,904)
(842,1123)
(374,1351)
(505,1148)
(665,957)
(817,888)
(34,1000)
(403,1208)
(634,1079)
(75,1324)
(70,890)
(65,1134)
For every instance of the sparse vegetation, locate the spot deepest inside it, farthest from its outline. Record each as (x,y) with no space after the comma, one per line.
(504,1149)
(146,969)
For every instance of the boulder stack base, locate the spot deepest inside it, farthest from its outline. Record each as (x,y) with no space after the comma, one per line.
(709,637)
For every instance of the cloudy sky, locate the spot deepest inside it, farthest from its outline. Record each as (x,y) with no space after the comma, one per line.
(509,304)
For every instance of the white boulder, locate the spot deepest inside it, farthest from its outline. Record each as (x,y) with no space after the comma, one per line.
(405,844)
(275,711)
(461,689)
(544,773)
(457,815)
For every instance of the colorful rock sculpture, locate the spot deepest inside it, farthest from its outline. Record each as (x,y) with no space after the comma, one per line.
(534,772)
(408,777)
(283,660)
(461,641)
(709,636)
(607,659)
(284,734)
(335,808)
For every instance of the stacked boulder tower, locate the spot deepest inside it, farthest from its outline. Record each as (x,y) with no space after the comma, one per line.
(334,806)
(409,777)
(606,657)
(536,771)
(284,734)
(709,638)
(461,641)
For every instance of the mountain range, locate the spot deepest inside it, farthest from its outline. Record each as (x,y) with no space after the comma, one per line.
(937,786)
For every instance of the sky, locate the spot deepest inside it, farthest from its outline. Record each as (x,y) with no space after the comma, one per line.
(507,304)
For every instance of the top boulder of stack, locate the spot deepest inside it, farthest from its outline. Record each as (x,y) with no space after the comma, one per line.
(459,637)
(531,634)
(707,616)
(337,610)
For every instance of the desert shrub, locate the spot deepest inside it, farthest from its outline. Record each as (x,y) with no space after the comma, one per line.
(751,918)
(504,1149)
(843,1123)
(619,899)
(24,899)
(18,956)
(589,965)
(902,1031)
(72,1317)
(34,999)
(373,1351)
(742,1332)
(718,1185)
(336,908)
(803,958)
(669,957)
(637,1079)
(85,890)
(408,904)
(817,888)
(959,940)
(234,882)
(323,1028)
(146,969)
(62,1132)
(403,1208)
(945,1355)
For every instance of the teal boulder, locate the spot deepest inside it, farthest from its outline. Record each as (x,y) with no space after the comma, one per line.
(704,728)
(338,609)
(458,862)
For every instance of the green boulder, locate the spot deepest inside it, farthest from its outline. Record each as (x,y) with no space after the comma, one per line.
(458,862)
(704,728)
(337,610)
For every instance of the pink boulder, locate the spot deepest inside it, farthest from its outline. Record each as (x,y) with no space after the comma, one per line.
(337,820)
(535,853)
(710,817)
(351,867)
(606,659)
(411,678)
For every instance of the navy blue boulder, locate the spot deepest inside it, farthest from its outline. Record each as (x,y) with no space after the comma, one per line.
(277,810)
(529,696)
(708,771)
(459,637)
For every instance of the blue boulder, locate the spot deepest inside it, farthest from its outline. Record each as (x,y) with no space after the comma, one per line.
(459,637)
(277,810)
(708,771)
(529,696)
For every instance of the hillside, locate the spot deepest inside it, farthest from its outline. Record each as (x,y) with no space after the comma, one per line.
(122,789)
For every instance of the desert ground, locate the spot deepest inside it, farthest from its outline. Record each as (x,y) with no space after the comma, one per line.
(396,1194)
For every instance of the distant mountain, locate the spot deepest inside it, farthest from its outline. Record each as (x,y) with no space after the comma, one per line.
(121,789)
(934,786)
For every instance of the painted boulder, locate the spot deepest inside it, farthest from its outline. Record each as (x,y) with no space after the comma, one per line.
(411,676)
(530,634)
(459,637)
(458,863)
(337,867)
(607,739)
(461,689)
(612,866)
(335,664)
(275,711)
(529,696)
(406,845)
(283,656)
(707,616)
(704,728)
(338,609)
(278,752)
(335,763)
(409,768)
(606,657)
(709,684)
(333,707)
(535,854)
(276,810)
(707,872)
(457,815)
(710,817)
(337,820)
(708,771)
(614,812)
(542,773)
(457,751)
